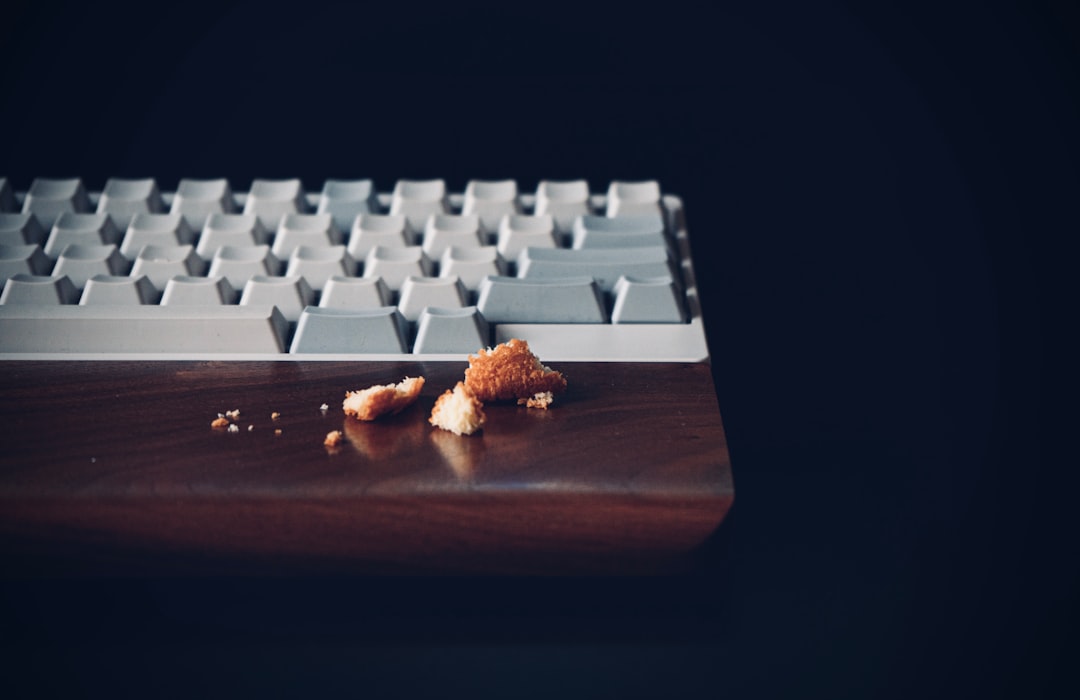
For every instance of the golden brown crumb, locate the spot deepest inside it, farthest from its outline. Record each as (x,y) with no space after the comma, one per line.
(275,415)
(220,422)
(511,371)
(458,411)
(376,401)
(333,438)
(277,431)
(541,400)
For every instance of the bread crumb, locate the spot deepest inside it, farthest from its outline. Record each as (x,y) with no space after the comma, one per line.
(324,408)
(219,422)
(541,400)
(458,411)
(275,415)
(233,414)
(375,401)
(277,431)
(250,428)
(233,428)
(333,438)
(512,371)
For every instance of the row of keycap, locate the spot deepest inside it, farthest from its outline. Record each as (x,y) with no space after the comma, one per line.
(343,200)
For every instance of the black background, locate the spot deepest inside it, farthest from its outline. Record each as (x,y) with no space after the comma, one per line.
(881,203)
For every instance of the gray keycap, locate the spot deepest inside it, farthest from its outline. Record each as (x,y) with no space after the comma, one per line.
(370,230)
(122,199)
(24,260)
(184,290)
(7,196)
(197,199)
(346,199)
(141,329)
(289,294)
(417,293)
(444,230)
(155,229)
(239,264)
(270,200)
(343,292)
(48,198)
(461,330)
(81,262)
(622,232)
(471,265)
(647,300)
(605,265)
(519,232)
(80,229)
(162,263)
(39,290)
(491,200)
(113,290)
(634,198)
(563,200)
(313,230)
(21,229)
(562,300)
(395,264)
(350,331)
(419,199)
(318,264)
(236,230)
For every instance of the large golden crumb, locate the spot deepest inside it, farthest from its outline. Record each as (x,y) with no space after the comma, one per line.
(458,411)
(333,438)
(511,371)
(370,403)
(220,422)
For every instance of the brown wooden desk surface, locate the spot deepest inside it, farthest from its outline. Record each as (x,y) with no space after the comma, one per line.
(112,468)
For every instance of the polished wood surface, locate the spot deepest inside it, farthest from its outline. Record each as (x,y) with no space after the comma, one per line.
(112,468)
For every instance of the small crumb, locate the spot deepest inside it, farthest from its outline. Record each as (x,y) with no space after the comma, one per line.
(250,428)
(221,415)
(233,414)
(277,431)
(324,408)
(275,415)
(233,428)
(333,438)
(219,422)
(541,400)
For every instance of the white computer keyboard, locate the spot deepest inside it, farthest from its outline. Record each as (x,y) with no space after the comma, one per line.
(134,272)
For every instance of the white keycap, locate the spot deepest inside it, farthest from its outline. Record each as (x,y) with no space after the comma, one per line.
(519,232)
(632,231)
(23,260)
(563,200)
(21,229)
(48,198)
(370,230)
(395,264)
(471,265)
(444,230)
(239,264)
(39,290)
(289,294)
(419,199)
(198,291)
(647,300)
(295,230)
(155,229)
(350,331)
(347,199)
(562,300)
(113,290)
(417,293)
(461,330)
(270,200)
(237,230)
(634,198)
(197,199)
(318,265)
(80,229)
(175,330)
(343,292)
(603,265)
(162,263)
(491,200)
(122,199)
(81,262)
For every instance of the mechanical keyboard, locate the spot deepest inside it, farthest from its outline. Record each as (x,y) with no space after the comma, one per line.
(132,315)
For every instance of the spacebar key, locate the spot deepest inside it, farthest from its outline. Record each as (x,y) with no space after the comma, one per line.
(141,329)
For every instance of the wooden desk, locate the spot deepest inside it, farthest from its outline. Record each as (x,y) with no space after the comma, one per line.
(112,468)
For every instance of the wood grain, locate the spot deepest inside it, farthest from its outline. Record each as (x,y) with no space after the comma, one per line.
(112,468)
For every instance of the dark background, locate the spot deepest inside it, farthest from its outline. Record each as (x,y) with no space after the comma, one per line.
(882,204)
